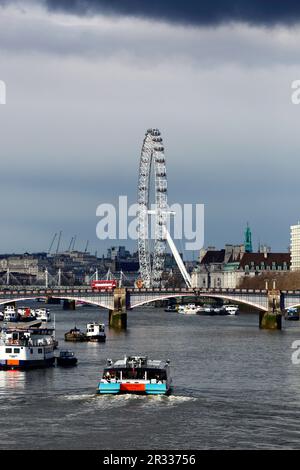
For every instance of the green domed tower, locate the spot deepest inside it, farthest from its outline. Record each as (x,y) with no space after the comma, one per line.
(248,240)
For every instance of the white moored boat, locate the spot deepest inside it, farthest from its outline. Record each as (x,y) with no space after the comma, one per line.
(26,314)
(10,314)
(43,314)
(95,332)
(190,309)
(26,348)
(231,309)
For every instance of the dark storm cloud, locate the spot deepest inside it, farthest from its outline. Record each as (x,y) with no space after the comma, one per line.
(195,12)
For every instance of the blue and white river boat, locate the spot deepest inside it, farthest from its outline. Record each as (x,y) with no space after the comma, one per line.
(137,375)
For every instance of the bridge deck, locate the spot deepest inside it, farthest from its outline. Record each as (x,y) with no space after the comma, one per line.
(253,297)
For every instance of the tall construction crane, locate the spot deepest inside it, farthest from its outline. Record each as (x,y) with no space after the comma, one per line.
(71,243)
(74,241)
(86,246)
(58,242)
(52,243)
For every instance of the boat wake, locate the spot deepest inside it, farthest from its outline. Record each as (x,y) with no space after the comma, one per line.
(82,397)
(142,400)
(177,399)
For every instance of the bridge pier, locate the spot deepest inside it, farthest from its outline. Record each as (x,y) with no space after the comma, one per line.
(69,305)
(272,319)
(118,316)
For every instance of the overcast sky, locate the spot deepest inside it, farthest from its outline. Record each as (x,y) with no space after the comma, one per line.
(85,79)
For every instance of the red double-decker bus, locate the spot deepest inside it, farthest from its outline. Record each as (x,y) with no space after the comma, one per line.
(104,285)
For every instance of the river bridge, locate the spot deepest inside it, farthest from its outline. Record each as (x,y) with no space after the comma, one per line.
(120,300)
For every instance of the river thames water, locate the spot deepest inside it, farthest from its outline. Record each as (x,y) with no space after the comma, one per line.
(235,387)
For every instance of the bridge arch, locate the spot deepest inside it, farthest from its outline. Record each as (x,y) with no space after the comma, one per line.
(234,299)
(296,305)
(98,302)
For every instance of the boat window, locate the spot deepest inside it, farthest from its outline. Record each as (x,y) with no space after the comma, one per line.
(31,351)
(134,374)
(66,354)
(16,350)
(110,374)
(40,351)
(8,350)
(159,375)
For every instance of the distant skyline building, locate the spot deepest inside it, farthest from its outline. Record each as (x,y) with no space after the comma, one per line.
(228,267)
(248,240)
(295,247)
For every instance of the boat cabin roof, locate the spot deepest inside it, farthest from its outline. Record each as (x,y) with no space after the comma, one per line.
(32,331)
(137,362)
(66,353)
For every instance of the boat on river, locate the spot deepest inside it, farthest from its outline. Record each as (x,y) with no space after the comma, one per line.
(230,310)
(189,309)
(220,310)
(292,314)
(95,332)
(26,348)
(137,375)
(75,335)
(10,314)
(26,314)
(43,314)
(66,359)
(171,308)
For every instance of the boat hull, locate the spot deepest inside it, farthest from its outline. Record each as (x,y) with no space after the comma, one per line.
(15,364)
(96,339)
(130,388)
(75,339)
(66,362)
(292,317)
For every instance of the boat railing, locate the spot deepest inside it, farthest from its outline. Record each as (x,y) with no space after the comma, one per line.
(125,380)
(28,342)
